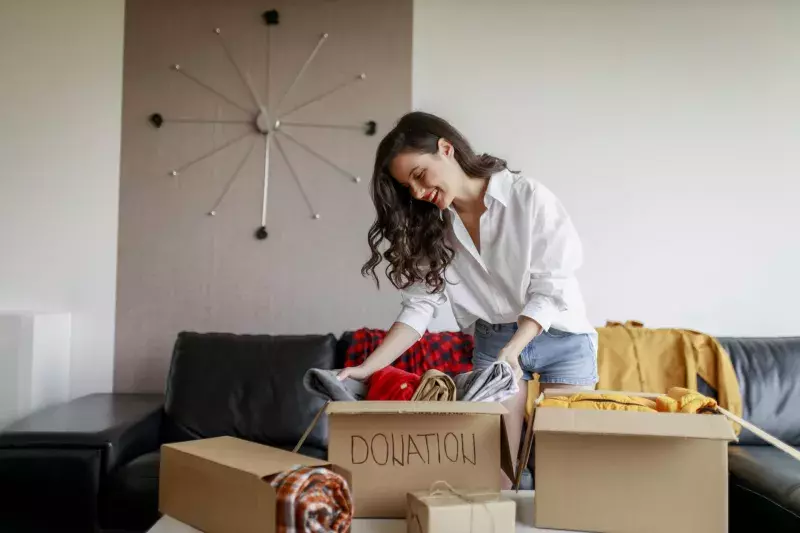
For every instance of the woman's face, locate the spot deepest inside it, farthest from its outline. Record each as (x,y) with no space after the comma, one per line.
(431,178)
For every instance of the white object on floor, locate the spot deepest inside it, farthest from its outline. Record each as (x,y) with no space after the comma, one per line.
(525,516)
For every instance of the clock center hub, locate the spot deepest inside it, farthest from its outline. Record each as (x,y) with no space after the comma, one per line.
(263,124)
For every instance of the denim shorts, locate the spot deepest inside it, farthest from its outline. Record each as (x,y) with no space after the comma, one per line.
(557,356)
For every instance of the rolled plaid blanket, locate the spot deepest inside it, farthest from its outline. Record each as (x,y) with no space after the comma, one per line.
(312,499)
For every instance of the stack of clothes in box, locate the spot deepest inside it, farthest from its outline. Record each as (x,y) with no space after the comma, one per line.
(495,383)
(436,368)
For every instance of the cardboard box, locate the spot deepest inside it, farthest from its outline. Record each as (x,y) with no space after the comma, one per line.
(628,472)
(467,511)
(218,485)
(393,448)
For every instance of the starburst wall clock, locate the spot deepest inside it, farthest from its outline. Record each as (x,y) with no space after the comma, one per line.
(264,123)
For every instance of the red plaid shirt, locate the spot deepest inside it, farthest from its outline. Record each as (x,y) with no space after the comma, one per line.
(448,352)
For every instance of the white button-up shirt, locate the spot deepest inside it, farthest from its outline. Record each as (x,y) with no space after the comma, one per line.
(526,266)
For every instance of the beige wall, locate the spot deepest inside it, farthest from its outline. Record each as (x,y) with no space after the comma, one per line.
(60,113)
(180,269)
(671,131)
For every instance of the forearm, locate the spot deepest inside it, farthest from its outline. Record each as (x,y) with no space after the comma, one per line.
(527,330)
(399,339)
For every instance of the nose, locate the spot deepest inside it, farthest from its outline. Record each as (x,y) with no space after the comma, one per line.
(417,192)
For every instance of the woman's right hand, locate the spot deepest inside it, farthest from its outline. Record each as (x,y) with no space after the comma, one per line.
(359,372)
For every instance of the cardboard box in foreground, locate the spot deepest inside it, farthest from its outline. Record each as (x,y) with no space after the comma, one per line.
(217,485)
(628,472)
(393,448)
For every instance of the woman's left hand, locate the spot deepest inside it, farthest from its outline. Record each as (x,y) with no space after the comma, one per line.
(511,357)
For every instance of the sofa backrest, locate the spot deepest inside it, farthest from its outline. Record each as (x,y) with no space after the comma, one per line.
(247,386)
(768,370)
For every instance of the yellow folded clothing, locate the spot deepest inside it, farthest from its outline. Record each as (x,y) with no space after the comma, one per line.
(686,401)
(677,400)
(601,402)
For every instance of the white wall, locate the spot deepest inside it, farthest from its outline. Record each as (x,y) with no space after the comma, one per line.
(60,108)
(671,131)
(34,362)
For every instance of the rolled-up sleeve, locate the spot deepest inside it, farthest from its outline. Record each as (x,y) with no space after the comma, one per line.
(419,307)
(555,254)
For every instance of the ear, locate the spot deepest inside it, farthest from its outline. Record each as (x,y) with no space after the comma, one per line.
(446,148)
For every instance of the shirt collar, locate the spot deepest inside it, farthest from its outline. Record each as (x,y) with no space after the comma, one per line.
(499,189)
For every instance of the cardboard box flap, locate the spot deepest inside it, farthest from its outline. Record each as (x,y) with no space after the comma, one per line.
(250,457)
(364,407)
(589,422)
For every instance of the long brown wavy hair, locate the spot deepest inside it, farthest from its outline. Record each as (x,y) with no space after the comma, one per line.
(415,231)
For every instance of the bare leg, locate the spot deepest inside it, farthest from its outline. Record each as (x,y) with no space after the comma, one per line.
(513,421)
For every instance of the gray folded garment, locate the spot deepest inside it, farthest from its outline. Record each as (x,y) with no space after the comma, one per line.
(494,383)
(326,385)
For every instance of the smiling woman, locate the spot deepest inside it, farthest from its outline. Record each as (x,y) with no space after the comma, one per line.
(425,159)
(455,225)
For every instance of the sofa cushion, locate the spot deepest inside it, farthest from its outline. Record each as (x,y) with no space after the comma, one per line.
(130,499)
(768,370)
(246,386)
(768,471)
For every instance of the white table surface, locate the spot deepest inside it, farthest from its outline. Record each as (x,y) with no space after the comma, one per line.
(525,511)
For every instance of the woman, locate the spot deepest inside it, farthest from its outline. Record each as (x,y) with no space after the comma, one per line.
(499,246)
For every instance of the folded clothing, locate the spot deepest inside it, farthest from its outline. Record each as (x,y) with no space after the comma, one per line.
(435,386)
(312,499)
(495,383)
(682,400)
(326,384)
(601,402)
(390,383)
(677,400)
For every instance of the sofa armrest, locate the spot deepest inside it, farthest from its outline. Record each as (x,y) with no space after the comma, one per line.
(120,426)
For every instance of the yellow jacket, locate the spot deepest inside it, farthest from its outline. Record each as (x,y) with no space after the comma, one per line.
(638,359)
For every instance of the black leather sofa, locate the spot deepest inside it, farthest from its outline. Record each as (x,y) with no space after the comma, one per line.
(764,481)
(91,465)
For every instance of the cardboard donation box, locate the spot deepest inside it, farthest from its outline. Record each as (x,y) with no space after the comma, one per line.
(462,511)
(628,472)
(218,485)
(393,448)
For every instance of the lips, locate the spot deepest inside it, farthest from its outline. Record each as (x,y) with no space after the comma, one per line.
(432,196)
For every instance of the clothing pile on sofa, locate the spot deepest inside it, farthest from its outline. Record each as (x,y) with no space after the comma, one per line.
(495,383)
(447,352)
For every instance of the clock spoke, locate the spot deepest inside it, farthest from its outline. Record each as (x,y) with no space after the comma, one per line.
(181,120)
(353,177)
(218,149)
(267,144)
(242,76)
(232,179)
(268,65)
(325,94)
(353,127)
(296,178)
(322,39)
(180,70)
